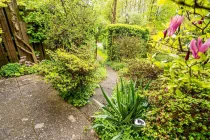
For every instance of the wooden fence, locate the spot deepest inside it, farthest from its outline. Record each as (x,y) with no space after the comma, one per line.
(15,42)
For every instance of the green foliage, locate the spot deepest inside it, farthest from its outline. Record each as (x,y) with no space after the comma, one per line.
(74,74)
(140,68)
(116,65)
(190,77)
(121,111)
(60,23)
(15,69)
(129,47)
(3,3)
(180,107)
(107,130)
(163,57)
(9,70)
(102,56)
(181,110)
(35,27)
(128,30)
(123,30)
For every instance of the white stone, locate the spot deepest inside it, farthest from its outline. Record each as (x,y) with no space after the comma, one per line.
(71,118)
(39,125)
(139,122)
(24,119)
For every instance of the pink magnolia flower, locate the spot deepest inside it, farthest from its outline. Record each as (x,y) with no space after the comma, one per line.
(174,25)
(199,47)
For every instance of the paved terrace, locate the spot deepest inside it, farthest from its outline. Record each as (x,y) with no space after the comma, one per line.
(30,109)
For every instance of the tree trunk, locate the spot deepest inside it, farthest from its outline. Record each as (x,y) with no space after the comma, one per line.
(152,5)
(114,13)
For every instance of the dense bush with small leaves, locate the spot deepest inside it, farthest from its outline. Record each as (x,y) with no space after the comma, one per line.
(108,130)
(74,74)
(136,35)
(129,47)
(140,68)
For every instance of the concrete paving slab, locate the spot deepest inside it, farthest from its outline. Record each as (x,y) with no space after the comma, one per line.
(35,111)
(9,83)
(27,79)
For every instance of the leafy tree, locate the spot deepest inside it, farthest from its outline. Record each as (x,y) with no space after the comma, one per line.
(151,13)
(63,23)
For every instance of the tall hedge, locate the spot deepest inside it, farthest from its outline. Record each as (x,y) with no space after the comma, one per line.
(124,30)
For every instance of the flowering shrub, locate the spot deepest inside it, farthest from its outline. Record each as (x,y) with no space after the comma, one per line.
(199,47)
(180,110)
(174,25)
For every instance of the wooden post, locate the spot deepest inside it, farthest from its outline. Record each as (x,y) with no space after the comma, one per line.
(19,33)
(3,57)
(7,38)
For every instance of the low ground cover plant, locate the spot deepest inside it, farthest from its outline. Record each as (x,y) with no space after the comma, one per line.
(181,109)
(16,70)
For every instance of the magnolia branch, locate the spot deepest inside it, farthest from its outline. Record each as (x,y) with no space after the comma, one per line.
(202,29)
(196,5)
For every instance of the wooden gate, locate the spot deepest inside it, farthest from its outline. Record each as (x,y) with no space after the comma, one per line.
(15,42)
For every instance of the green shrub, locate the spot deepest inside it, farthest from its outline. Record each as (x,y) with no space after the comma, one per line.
(119,114)
(181,110)
(15,70)
(74,74)
(163,57)
(129,48)
(123,30)
(11,69)
(107,130)
(139,68)
(35,27)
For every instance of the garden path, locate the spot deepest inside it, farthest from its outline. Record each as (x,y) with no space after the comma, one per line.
(108,86)
(30,109)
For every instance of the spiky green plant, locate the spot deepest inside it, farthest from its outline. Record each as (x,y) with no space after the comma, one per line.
(127,106)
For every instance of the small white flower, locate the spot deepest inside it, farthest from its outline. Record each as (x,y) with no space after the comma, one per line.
(173,36)
(139,122)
